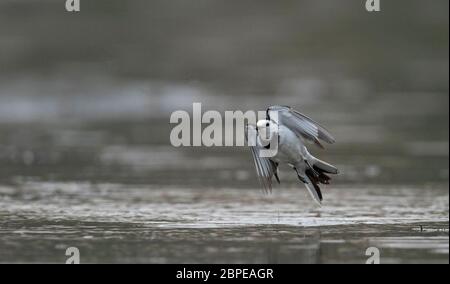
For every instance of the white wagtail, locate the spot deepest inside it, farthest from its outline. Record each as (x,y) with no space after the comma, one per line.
(291,129)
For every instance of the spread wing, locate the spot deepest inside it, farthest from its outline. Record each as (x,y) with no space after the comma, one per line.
(301,124)
(265,167)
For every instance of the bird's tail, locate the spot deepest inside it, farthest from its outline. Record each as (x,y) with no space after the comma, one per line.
(316,173)
(324,167)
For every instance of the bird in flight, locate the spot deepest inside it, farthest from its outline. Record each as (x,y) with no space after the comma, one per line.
(291,130)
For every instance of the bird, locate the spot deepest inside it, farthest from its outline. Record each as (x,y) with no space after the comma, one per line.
(292,130)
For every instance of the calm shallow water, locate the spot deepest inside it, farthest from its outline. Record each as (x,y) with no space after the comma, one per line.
(122,223)
(120,193)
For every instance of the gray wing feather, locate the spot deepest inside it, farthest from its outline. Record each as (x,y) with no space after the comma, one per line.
(265,168)
(301,124)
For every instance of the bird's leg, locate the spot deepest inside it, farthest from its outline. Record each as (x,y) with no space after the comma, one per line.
(302,179)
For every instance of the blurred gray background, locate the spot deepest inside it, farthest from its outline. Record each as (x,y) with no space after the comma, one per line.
(85,99)
(102,83)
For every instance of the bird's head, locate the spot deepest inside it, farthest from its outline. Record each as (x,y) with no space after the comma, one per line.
(266,128)
(263,123)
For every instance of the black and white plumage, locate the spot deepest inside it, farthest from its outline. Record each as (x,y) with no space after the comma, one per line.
(291,129)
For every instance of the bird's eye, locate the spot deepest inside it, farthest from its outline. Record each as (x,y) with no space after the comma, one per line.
(267,124)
